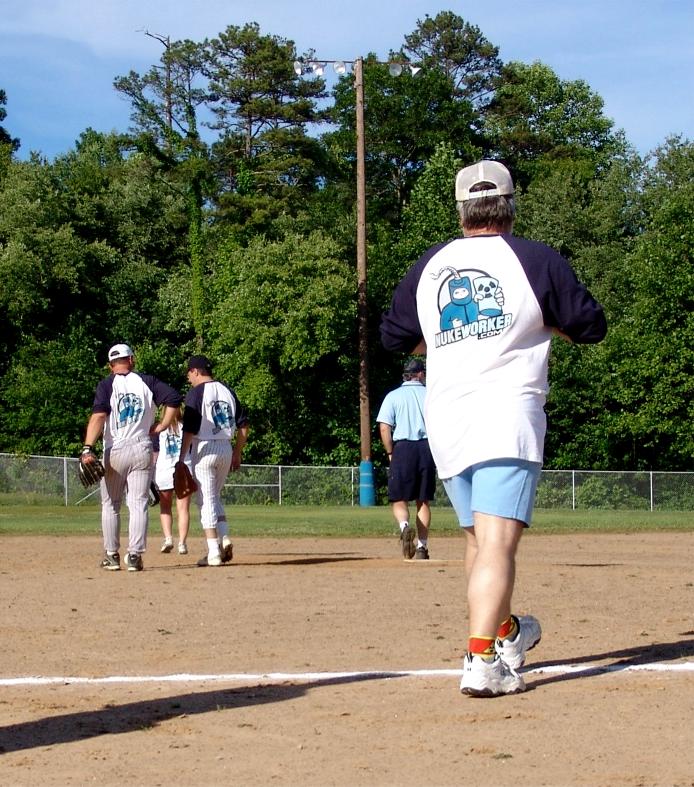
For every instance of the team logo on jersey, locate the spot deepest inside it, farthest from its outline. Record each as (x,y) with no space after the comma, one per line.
(221,415)
(172,445)
(470,303)
(130,409)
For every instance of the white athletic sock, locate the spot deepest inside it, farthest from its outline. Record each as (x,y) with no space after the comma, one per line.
(421,543)
(213,547)
(403,525)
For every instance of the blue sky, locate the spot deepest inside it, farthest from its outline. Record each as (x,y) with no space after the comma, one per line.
(58,59)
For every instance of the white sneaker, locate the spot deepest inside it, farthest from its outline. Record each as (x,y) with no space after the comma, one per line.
(167,546)
(489,678)
(513,651)
(182,549)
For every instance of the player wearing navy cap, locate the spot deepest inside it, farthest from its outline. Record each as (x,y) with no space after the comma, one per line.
(212,418)
(412,473)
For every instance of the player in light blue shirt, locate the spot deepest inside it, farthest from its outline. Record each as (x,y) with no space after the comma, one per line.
(412,474)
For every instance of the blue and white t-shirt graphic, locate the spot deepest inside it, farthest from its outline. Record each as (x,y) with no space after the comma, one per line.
(470,303)
(173,445)
(222,415)
(130,409)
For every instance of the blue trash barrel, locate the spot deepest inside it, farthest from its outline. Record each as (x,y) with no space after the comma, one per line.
(367,493)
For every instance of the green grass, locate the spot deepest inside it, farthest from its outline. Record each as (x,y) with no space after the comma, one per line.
(338,521)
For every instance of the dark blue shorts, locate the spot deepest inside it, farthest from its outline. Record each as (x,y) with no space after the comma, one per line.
(412,473)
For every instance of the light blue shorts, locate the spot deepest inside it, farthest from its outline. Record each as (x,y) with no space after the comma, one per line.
(500,487)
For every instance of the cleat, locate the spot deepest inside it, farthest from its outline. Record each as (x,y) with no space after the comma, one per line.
(133,562)
(111,562)
(489,678)
(421,553)
(227,550)
(407,537)
(166,547)
(528,635)
(210,561)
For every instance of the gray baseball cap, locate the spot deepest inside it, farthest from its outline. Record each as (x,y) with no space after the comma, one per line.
(483,172)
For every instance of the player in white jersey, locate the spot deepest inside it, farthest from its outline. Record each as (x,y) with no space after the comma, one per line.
(124,410)
(212,418)
(484,307)
(169,451)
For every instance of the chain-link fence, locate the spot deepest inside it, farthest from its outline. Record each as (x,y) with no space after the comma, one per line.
(51,480)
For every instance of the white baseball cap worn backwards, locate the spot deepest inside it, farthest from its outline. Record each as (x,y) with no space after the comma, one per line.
(119,351)
(483,172)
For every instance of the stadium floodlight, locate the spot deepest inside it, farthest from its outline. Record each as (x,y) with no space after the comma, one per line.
(298,67)
(395,69)
(340,66)
(317,68)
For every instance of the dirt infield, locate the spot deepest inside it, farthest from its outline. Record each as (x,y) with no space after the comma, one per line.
(611,685)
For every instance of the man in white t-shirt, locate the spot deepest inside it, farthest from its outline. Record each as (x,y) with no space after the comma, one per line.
(484,308)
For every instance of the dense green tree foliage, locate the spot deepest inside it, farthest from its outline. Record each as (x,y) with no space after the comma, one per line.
(652,358)
(537,119)
(266,163)
(283,324)
(165,104)
(449,44)
(5,139)
(225,218)
(85,243)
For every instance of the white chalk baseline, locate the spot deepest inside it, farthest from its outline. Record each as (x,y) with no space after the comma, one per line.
(317,677)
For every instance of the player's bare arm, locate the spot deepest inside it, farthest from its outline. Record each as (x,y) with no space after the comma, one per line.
(95,428)
(240,442)
(167,419)
(386,432)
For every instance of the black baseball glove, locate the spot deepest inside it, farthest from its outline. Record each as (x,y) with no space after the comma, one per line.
(154,496)
(90,469)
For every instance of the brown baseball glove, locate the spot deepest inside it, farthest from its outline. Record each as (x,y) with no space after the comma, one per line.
(184,483)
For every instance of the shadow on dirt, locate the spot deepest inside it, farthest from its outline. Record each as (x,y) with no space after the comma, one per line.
(621,660)
(284,561)
(133,716)
(314,560)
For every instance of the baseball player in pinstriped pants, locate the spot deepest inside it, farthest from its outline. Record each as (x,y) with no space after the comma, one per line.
(212,417)
(124,410)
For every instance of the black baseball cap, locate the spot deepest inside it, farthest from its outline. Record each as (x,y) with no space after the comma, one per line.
(201,362)
(414,366)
